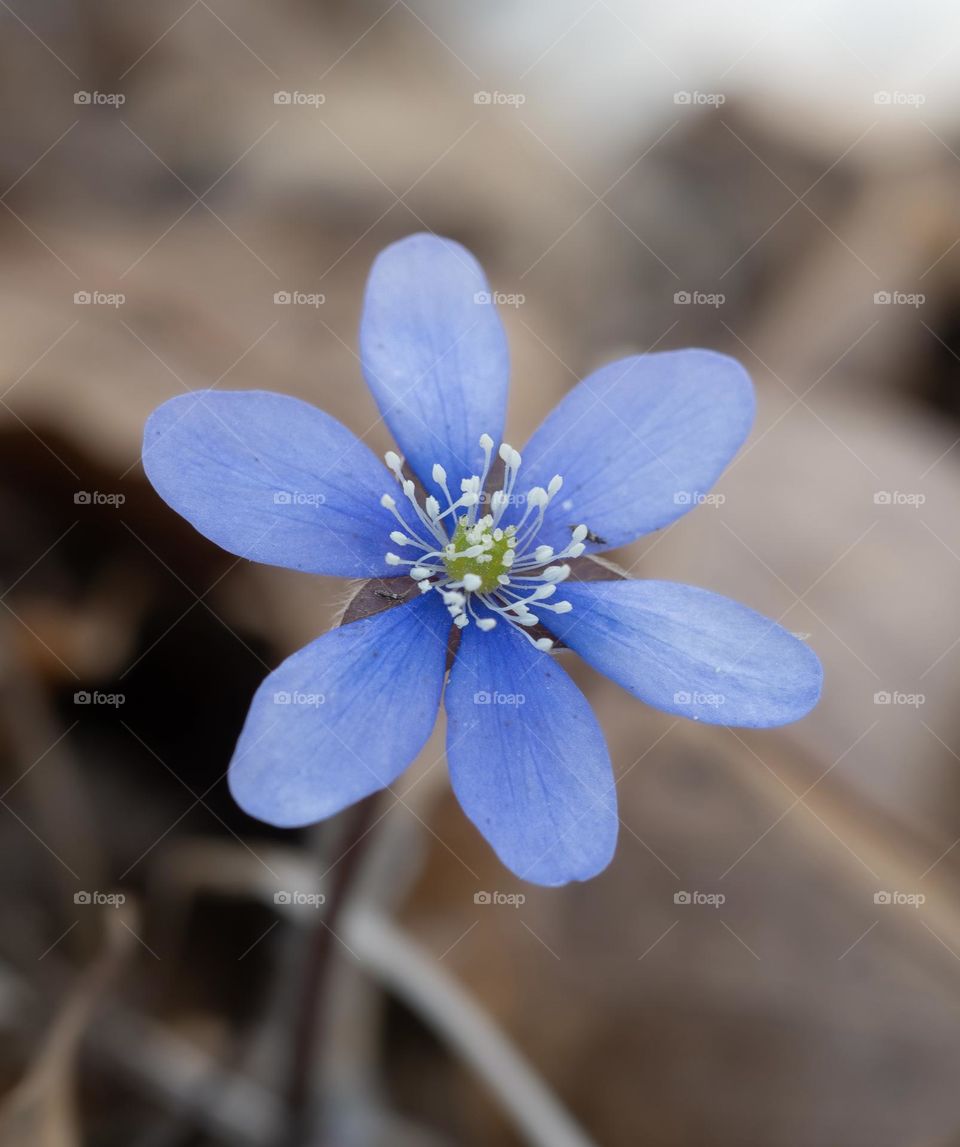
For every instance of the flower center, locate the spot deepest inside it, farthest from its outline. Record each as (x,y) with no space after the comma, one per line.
(471,560)
(480,554)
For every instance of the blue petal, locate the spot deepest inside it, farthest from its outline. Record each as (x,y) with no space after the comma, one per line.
(638,442)
(691,652)
(343,717)
(272,479)
(528,761)
(434,354)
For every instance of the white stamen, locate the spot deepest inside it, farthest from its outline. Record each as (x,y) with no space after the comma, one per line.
(499,564)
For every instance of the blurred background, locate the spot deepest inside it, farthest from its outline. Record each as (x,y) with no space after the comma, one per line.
(192,194)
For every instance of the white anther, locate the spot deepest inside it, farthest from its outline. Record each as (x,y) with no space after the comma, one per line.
(482,542)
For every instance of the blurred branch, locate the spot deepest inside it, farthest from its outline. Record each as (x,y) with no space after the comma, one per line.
(41,1110)
(403,967)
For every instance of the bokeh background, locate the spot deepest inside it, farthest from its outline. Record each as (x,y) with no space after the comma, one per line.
(778,181)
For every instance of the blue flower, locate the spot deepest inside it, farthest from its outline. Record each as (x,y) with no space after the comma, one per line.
(627,451)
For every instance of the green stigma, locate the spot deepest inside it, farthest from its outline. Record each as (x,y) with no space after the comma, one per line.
(480,552)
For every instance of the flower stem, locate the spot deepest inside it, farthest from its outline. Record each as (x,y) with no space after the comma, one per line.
(309,1023)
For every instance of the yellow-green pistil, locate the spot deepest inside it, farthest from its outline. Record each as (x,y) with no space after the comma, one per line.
(480,551)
